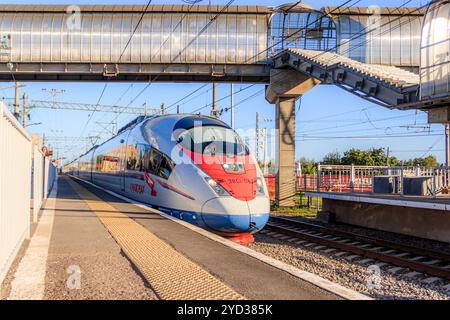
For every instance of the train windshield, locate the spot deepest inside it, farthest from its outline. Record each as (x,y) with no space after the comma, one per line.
(213,141)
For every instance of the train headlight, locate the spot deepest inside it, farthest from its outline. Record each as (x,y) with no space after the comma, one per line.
(218,189)
(260,187)
(236,167)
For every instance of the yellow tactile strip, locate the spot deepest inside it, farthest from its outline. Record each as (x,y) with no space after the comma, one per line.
(171,275)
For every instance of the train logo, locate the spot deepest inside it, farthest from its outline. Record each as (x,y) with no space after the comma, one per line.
(150,183)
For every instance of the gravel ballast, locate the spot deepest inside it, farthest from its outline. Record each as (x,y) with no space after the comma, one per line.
(351,273)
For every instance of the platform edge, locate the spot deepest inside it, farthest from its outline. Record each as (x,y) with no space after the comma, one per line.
(311,278)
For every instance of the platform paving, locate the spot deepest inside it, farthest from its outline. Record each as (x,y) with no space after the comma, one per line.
(80,242)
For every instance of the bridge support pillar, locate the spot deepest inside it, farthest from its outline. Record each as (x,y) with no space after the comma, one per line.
(286,87)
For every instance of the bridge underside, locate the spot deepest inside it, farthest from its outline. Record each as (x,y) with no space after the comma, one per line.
(129,72)
(387,86)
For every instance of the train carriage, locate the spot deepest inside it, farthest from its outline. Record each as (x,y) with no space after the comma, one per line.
(192,167)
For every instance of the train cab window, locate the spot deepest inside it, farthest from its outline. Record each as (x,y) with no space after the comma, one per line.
(154,162)
(166,167)
(213,141)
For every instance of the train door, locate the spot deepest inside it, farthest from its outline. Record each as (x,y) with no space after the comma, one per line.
(92,167)
(124,141)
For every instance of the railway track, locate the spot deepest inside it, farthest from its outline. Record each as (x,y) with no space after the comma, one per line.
(404,257)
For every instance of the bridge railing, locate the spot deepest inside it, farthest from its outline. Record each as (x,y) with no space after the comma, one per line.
(15,177)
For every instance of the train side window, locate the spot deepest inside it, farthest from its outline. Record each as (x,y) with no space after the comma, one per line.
(98,163)
(147,158)
(132,152)
(143,156)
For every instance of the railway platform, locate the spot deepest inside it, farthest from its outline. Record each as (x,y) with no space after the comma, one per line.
(89,244)
(417,216)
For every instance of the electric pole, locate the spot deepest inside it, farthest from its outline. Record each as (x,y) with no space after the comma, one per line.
(17,102)
(264,136)
(232,105)
(387,156)
(54,93)
(447,144)
(145,108)
(25,109)
(214,112)
(257,138)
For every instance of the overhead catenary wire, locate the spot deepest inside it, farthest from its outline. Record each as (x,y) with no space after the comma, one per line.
(199,88)
(438,140)
(362,34)
(163,43)
(353,38)
(265,50)
(223,98)
(296,32)
(119,60)
(135,29)
(206,84)
(371,137)
(214,18)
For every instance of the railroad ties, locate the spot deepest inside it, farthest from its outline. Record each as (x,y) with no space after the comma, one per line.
(395,258)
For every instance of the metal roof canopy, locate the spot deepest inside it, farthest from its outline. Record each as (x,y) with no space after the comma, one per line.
(164,8)
(170,8)
(336,11)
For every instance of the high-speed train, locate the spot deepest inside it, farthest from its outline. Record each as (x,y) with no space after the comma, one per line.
(192,167)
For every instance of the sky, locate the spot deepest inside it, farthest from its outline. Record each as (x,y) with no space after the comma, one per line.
(328,118)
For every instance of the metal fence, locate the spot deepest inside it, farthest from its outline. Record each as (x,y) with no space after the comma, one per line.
(360,179)
(15,169)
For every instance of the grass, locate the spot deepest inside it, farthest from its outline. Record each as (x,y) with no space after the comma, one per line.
(301,208)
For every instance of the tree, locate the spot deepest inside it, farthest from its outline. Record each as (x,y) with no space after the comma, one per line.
(332,158)
(308,166)
(372,157)
(356,157)
(428,162)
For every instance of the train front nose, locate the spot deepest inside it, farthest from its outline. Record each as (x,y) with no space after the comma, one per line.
(231,217)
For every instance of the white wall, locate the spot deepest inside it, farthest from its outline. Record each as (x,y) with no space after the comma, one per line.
(15,191)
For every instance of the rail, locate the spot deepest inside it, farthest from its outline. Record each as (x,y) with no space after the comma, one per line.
(431,262)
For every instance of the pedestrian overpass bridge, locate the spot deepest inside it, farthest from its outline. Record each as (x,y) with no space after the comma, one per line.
(371,52)
(193,42)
